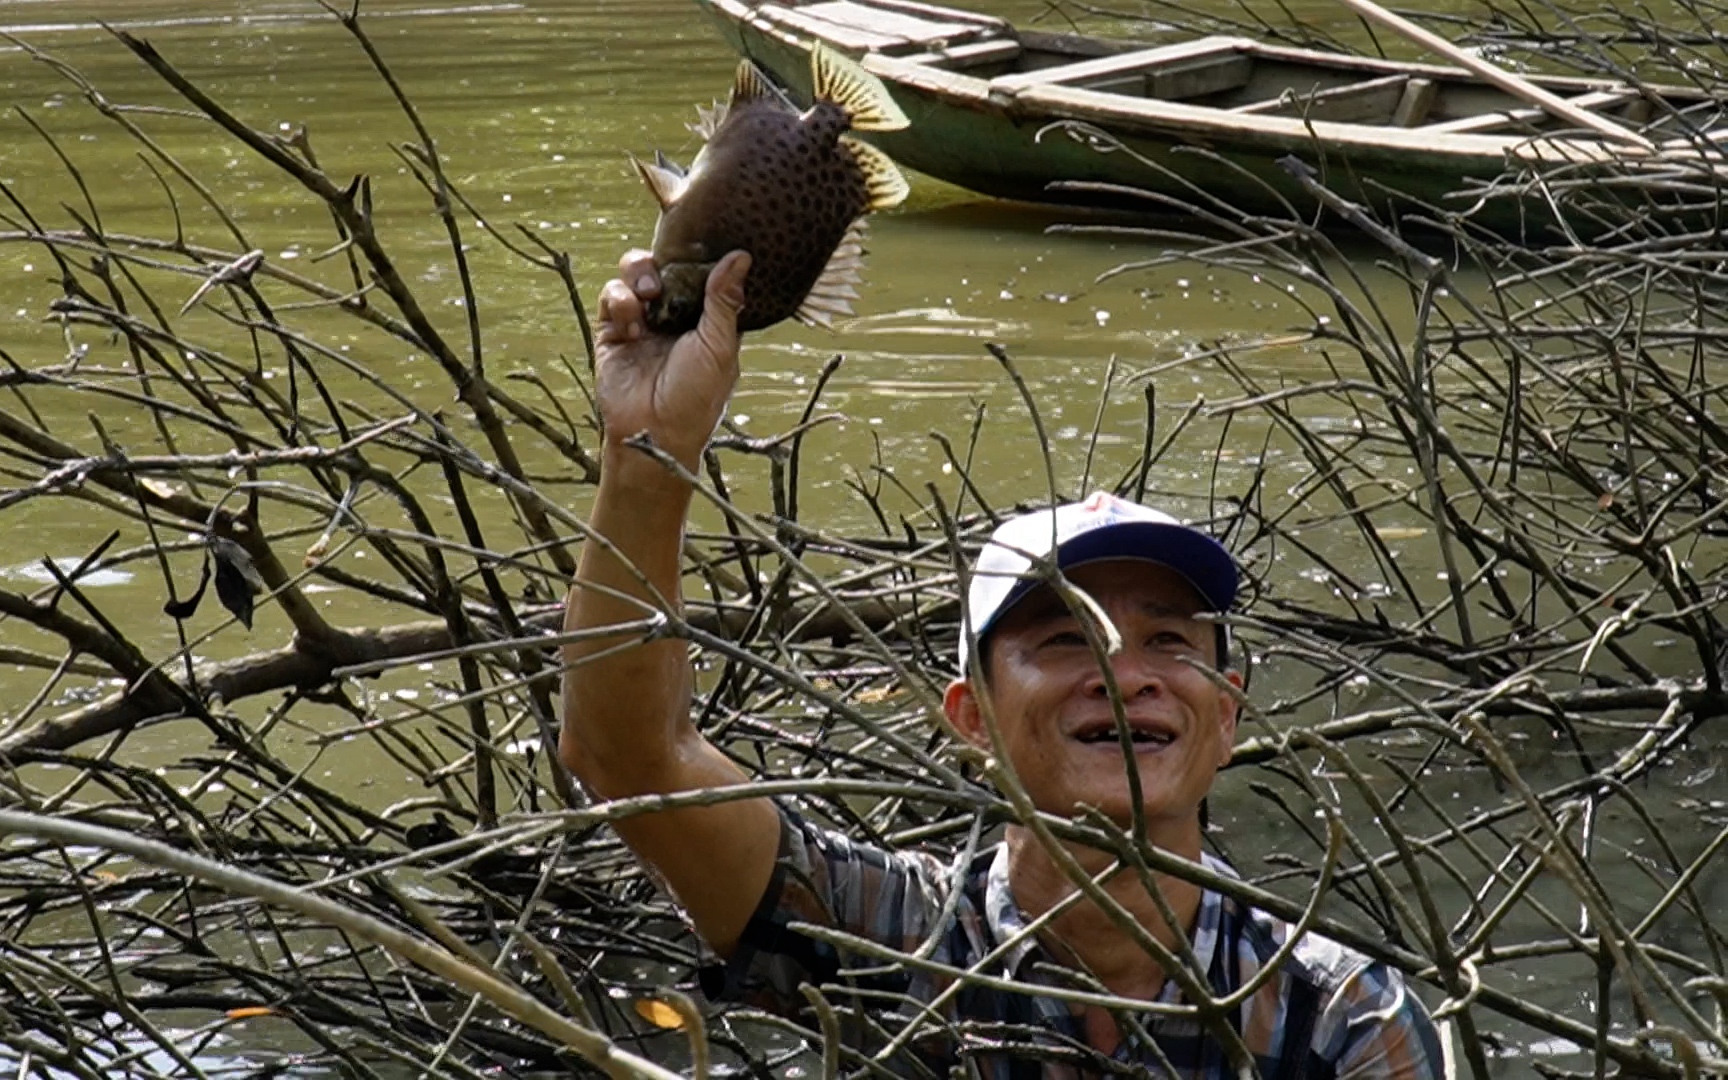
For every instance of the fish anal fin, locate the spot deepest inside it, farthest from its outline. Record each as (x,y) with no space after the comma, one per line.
(884,184)
(821,311)
(749,84)
(816,318)
(838,79)
(830,298)
(666,183)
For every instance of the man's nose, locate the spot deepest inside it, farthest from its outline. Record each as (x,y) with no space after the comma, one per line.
(1137,673)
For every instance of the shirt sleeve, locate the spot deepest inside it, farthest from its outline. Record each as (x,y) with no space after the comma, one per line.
(824,879)
(1375,1028)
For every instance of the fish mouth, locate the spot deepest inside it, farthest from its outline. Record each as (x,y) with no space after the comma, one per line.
(674,312)
(1146,734)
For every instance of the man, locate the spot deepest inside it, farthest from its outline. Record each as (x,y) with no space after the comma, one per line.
(745,871)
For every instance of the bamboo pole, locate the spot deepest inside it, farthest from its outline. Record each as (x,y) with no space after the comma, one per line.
(1505,80)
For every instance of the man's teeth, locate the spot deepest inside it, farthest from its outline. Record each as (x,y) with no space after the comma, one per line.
(1109,735)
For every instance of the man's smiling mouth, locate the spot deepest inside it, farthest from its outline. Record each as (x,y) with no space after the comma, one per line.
(1107,734)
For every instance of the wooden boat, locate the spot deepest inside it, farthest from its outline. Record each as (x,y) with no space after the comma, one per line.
(1007,112)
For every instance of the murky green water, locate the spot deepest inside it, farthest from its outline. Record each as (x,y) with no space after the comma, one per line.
(534,104)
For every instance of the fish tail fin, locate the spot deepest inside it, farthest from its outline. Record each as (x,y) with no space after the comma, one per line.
(838,79)
(884,184)
(664,182)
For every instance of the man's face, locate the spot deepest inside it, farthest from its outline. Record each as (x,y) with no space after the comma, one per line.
(1053,705)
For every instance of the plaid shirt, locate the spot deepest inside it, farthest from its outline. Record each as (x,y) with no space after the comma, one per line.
(1329,1012)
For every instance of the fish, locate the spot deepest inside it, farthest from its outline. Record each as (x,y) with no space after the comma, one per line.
(792,188)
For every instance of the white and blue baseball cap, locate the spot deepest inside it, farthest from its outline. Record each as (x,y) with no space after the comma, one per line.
(1100,527)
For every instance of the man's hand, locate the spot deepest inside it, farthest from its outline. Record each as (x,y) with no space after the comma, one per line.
(673,389)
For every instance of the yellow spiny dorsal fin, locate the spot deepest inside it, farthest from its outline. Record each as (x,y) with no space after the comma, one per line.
(831,296)
(665,183)
(840,80)
(749,84)
(884,184)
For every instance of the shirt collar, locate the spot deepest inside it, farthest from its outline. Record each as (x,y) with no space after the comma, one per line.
(1004,916)
(1006,920)
(1208,924)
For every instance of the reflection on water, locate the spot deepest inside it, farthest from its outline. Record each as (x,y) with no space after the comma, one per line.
(37,573)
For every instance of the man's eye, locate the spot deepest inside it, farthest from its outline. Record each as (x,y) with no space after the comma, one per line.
(1170,639)
(1066,637)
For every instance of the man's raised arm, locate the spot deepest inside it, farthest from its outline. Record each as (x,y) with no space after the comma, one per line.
(627,728)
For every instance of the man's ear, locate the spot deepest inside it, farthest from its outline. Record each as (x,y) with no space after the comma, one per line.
(1229,710)
(960,702)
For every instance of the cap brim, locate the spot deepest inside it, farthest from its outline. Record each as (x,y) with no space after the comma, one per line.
(1200,559)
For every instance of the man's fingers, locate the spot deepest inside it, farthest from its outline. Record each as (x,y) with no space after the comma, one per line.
(620,312)
(725,298)
(637,269)
(727,277)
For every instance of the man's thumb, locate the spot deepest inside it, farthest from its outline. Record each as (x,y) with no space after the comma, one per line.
(725,297)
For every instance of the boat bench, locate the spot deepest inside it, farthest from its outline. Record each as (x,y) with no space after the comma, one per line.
(1173,72)
(969,55)
(1482,123)
(1400,99)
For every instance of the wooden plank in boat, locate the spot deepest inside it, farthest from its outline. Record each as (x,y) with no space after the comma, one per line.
(849,38)
(1416,103)
(953,86)
(971,54)
(1197,77)
(893,24)
(1564,85)
(941,14)
(1216,128)
(1135,62)
(1488,121)
(1368,102)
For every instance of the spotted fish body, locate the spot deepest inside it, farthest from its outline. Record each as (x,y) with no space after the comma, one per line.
(790,188)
